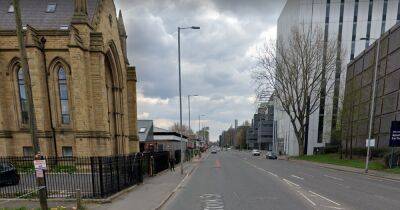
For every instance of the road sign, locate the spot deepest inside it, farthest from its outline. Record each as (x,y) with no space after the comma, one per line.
(40,164)
(394,140)
(371,142)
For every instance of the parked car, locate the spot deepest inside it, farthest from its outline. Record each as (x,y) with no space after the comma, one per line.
(271,155)
(214,151)
(8,174)
(255,152)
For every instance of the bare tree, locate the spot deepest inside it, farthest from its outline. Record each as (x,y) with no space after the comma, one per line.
(185,129)
(298,71)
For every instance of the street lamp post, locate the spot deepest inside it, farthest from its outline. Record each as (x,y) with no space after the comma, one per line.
(372,102)
(180,89)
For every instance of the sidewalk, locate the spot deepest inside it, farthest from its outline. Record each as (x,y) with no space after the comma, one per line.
(145,196)
(373,173)
(151,193)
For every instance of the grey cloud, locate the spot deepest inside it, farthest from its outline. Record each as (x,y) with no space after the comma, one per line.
(214,62)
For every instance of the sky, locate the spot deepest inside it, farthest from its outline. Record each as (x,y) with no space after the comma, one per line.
(216,61)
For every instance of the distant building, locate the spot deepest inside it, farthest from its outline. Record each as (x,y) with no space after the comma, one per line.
(260,134)
(158,139)
(83,86)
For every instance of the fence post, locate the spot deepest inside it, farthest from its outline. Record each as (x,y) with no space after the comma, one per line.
(100,162)
(78,200)
(117,166)
(92,172)
(140,169)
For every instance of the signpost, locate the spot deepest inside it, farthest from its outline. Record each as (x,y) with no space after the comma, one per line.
(394,140)
(371,142)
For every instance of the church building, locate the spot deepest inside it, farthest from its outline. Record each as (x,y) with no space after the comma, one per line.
(84,89)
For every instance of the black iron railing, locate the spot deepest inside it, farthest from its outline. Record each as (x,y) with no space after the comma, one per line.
(96,177)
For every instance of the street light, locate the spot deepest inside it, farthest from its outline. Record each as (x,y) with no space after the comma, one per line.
(372,101)
(180,88)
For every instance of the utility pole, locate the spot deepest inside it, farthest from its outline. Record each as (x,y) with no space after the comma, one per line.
(28,90)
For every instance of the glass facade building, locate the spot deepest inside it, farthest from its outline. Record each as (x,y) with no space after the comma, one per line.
(346,21)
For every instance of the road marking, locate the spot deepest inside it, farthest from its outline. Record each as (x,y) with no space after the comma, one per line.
(324,197)
(212,201)
(332,177)
(217,164)
(272,174)
(261,169)
(309,200)
(331,207)
(291,183)
(297,177)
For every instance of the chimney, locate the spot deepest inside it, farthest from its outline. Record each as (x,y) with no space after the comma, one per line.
(80,12)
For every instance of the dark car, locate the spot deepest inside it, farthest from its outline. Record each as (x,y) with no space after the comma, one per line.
(8,174)
(271,155)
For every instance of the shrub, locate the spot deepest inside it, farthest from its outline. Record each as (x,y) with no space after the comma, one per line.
(396,157)
(375,152)
(64,169)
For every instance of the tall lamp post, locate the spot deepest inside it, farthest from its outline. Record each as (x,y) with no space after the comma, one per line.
(372,101)
(180,88)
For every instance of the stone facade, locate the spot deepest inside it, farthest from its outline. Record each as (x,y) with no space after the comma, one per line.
(359,81)
(84,90)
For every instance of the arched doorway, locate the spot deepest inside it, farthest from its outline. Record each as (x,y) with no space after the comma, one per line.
(111,104)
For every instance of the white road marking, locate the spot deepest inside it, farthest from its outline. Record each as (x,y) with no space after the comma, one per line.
(291,183)
(212,201)
(332,177)
(261,169)
(272,174)
(324,197)
(309,200)
(297,177)
(331,207)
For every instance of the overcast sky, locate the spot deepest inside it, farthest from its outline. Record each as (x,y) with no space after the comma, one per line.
(216,60)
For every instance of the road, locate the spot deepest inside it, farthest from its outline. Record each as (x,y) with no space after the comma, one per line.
(236,180)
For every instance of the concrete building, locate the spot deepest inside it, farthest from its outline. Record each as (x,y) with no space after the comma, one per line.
(346,21)
(359,82)
(260,133)
(84,89)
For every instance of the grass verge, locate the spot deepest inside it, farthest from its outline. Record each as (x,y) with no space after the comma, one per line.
(355,162)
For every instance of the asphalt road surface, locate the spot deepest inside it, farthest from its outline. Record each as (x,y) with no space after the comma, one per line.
(236,180)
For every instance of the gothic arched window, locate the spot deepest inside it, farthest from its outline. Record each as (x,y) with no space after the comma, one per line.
(63,96)
(23,99)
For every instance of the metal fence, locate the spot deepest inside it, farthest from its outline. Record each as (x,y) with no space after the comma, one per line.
(96,177)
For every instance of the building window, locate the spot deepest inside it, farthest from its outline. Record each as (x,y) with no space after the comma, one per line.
(28,151)
(385,3)
(51,8)
(323,82)
(63,94)
(110,19)
(67,151)
(338,68)
(23,100)
(371,4)
(398,13)
(11,8)
(353,37)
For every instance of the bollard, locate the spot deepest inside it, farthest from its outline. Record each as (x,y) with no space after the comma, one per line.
(78,200)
